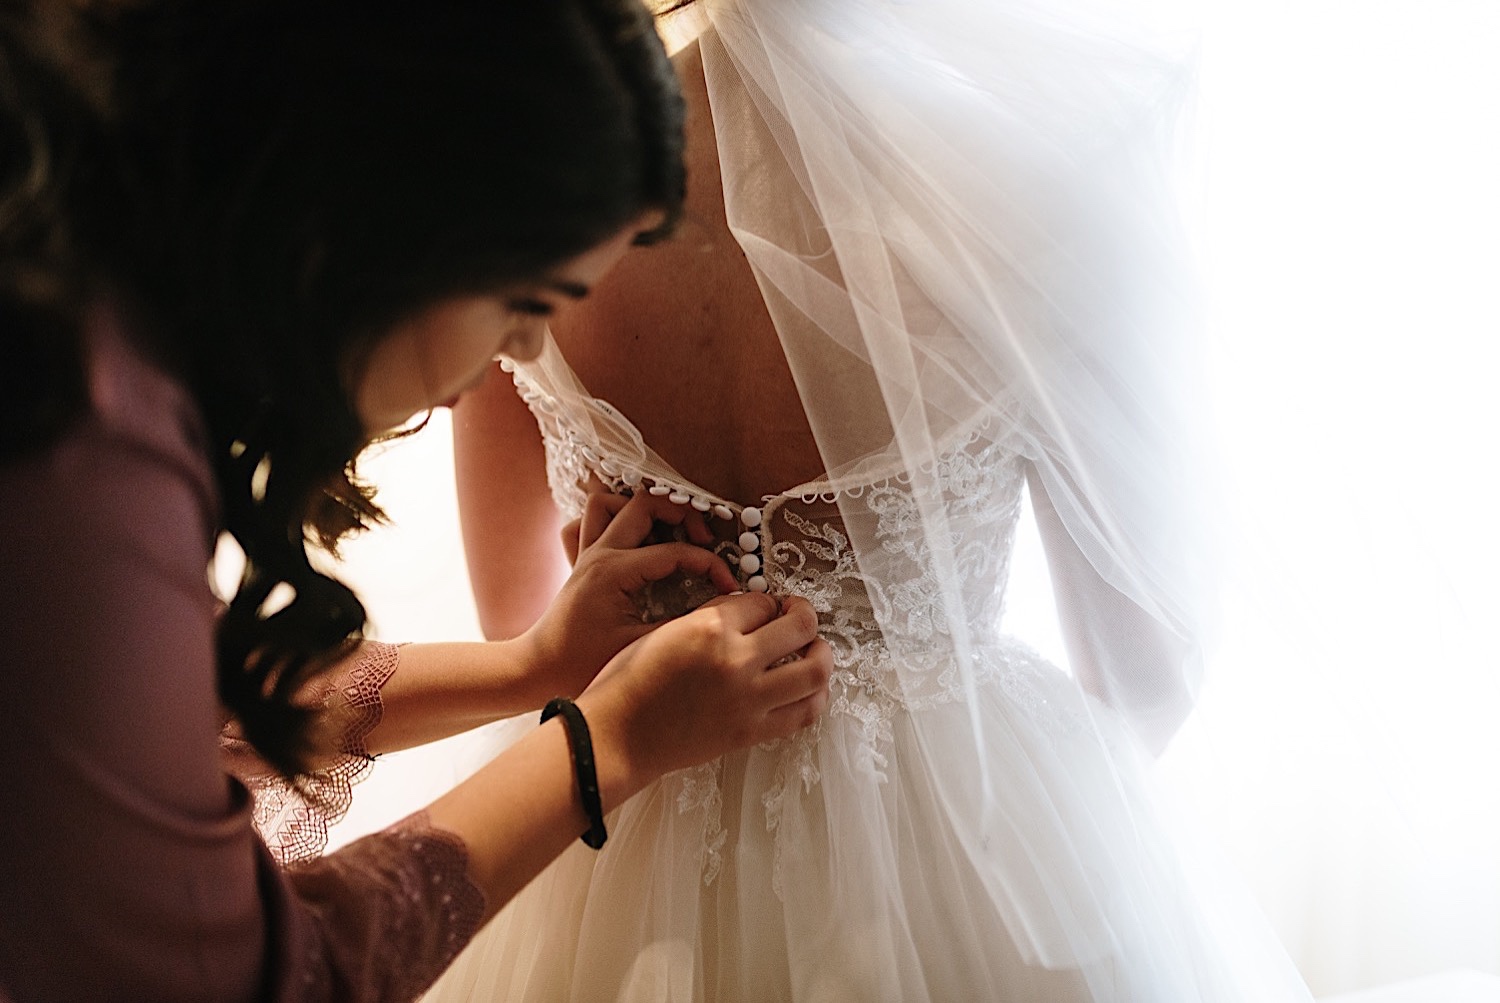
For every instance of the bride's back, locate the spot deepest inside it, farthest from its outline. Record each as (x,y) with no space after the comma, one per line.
(678,338)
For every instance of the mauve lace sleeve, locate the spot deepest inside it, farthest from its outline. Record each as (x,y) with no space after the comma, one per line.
(294,820)
(386,915)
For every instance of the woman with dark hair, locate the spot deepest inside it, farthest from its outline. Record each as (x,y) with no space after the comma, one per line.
(264,233)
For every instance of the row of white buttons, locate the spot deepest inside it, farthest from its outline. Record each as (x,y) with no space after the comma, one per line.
(750,518)
(749,541)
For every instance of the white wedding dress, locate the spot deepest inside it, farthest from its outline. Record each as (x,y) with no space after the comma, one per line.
(955,214)
(824,867)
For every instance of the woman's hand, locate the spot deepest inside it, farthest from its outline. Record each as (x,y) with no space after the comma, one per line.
(691,690)
(595,614)
(603,505)
(738,671)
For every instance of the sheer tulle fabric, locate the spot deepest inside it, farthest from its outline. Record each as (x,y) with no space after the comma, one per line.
(960,216)
(862,889)
(961,210)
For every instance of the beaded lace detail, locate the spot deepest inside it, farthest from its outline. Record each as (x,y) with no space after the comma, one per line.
(294,820)
(888,626)
(395,909)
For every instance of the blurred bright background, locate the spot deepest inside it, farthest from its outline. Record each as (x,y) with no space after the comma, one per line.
(1351,215)
(1347,750)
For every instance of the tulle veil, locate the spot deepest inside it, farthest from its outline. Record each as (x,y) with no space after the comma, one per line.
(966,220)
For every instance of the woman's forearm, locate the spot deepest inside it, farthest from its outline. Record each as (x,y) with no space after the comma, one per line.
(443,689)
(517,813)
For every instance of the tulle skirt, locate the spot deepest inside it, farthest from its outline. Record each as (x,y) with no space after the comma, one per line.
(853,862)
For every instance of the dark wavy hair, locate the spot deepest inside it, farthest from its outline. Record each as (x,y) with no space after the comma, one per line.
(52,160)
(297,176)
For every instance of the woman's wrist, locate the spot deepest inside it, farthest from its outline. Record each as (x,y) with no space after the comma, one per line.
(535,668)
(618,775)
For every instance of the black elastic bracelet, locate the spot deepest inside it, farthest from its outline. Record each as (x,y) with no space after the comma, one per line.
(583,765)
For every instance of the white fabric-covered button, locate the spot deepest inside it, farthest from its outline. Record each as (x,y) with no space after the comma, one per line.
(679,497)
(757,584)
(660,490)
(749,564)
(631,477)
(749,541)
(700,504)
(750,517)
(723,512)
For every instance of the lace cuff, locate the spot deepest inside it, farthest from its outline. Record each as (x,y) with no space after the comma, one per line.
(294,819)
(392,910)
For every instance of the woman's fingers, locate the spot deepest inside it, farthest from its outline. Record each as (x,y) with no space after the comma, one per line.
(794,627)
(797,691)
(799,678)
(569,535)
(744,613)
(631,522)
(598,512)
(793,717)
(657,561)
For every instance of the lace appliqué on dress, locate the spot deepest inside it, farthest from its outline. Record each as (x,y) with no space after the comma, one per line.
(794,768)
(294,820)
(700,790)
(393,910)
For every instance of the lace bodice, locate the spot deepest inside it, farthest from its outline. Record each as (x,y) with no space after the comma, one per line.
(888,625)
(883,613)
